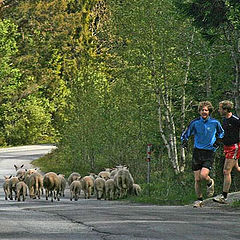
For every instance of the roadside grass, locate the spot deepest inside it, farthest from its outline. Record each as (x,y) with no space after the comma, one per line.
(167,191)
(235,204)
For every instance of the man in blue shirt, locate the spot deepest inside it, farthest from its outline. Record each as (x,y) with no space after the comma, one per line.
(206,131)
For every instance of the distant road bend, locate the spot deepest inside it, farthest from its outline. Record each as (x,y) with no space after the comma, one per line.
(99,219)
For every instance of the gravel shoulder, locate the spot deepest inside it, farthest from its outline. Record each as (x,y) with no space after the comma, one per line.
(235,196)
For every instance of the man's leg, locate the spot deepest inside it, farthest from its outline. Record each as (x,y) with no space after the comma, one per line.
(228,166)
(197,178)
(210,183)
(205,175)
(198,190)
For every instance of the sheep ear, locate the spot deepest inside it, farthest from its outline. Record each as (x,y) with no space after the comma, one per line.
(10,176)
(15,166)
(22,166)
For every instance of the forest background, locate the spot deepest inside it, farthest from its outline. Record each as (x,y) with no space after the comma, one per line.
(102,79)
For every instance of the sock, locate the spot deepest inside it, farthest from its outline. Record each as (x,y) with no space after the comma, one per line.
(225,194)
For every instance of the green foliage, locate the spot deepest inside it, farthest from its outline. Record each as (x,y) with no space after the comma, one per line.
(26,122)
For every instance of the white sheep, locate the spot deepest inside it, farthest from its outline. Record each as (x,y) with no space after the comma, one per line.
(51,183)
(35,185)
(63,184)
(20,171)
(110,189)
(26,175)
(99,186)
(123,181)
(113,173)
(136,189)
(6,187)
(12,187)
(75,189)
(73,176)
(105,174)
(87,184)
(21,189)
(116,169)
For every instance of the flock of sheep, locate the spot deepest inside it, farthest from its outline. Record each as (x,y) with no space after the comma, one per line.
(109,184)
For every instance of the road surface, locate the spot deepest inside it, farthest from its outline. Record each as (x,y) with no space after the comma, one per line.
(104,220)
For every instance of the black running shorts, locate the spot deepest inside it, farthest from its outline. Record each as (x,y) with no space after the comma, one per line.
(202,158)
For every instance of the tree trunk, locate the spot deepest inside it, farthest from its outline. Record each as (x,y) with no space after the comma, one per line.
(184,107)
(170,139)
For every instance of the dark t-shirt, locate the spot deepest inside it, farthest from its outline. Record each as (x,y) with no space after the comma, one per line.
(231,128)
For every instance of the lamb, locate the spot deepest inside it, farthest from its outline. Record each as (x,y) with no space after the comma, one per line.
(113,173)
(75,189)
(25,177)
(63,184)
(16,167)
(73,176)
(12,187)
(35,185)
(87,183)
(6,187)
(21,189)
(28,173)
(105,174)
(51,183)
(123,181)
(110,189)
(20,171)
(136,189)
(99,185)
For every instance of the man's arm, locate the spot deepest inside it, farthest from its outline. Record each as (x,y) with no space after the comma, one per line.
(185,135)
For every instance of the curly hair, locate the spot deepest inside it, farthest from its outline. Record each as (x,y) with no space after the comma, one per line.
(205,104)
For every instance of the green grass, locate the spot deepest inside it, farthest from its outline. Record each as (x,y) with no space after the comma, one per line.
(235,204)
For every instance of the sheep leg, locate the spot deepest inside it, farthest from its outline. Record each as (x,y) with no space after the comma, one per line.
(47,194)
(57,195)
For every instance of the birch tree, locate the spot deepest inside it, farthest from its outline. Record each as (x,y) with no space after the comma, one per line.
(153,41)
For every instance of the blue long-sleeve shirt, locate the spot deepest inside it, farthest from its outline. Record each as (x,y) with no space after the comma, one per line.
(205,133)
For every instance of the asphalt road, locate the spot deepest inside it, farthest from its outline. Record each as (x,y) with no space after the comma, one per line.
(104,220)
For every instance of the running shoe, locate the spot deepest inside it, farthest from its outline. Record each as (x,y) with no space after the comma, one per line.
(220,199)
(198,204)
(210,189)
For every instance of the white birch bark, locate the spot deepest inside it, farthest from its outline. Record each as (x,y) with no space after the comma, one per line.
(184,107)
